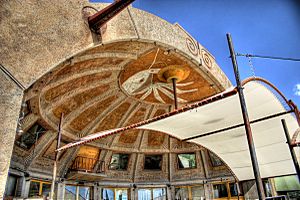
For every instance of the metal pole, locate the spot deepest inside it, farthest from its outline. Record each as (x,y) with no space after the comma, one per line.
(56,157)
(174,92)
(254,161)
(103,16)
(288,141)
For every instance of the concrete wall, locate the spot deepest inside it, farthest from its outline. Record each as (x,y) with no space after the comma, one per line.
(10,101)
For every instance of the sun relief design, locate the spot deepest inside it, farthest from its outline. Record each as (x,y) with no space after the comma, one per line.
(139,79)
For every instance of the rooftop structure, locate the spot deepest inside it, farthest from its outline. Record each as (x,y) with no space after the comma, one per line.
(101,79)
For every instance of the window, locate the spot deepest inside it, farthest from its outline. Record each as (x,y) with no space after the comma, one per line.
(39,188)
(189,192)
(186,161)
(152,194)
(153,162)
(181,193)
(114,194)
(84,193)
(220,190)
(198,192)
(28,138)
(121,194)
(70,192)
(119,161)
(108,194)
(159,193)
(233,189)
(215,160)
(144,194)
(73,191)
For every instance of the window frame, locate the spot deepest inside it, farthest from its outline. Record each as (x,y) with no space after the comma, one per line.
(17,140)
(114,189)
(154,154)
(151,189)
(41,182)
(77,190)
(189,189)
(129,159)
(177,160)
(227,184)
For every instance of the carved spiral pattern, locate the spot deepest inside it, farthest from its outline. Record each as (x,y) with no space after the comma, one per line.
(192,46)
(206,59)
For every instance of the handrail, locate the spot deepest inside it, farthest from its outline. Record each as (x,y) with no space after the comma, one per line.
(86,164)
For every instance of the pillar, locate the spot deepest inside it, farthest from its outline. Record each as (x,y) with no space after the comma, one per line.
(60,191)
(132,194)
(10,104)
(97,192)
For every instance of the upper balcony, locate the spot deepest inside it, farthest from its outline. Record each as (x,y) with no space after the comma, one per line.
(86,168)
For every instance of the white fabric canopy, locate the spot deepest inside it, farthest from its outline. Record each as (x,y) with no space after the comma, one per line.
(231,146)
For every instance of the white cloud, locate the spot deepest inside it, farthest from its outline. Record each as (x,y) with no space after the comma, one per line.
(297,89)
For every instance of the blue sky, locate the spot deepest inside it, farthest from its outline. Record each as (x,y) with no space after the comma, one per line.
(263,27)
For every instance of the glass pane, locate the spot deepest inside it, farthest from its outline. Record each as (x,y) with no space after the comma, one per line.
(159,194)
(186,160)
(220,190)
(121,194)
(46,189)
(84,193)
(107,194)
(119,162)
(233,189)
(198,192)
(70,192)
(34,189)
(181,194)
(153,162)
(215,160)
(144,194)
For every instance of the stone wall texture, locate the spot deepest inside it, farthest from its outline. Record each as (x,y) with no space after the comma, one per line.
(10,103)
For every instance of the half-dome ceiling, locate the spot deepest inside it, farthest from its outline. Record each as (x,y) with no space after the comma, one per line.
(116,84)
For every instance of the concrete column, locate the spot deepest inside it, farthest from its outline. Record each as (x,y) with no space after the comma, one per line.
(26,189)
(208,189)
(171,192)
(204,163)
(60,191)
(10,104)
(132,193)
(21,187)
(97,192)
(135,193)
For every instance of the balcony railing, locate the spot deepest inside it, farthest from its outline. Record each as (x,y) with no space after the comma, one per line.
(88,165)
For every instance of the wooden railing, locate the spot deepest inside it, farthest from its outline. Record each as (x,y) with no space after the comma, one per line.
(88,165)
